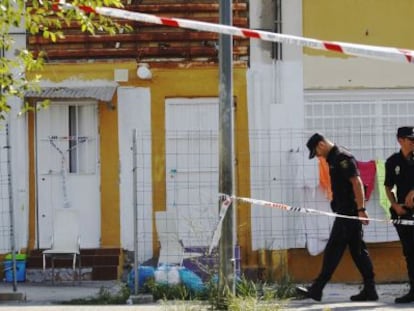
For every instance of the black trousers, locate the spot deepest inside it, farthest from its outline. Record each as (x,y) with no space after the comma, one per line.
(406,234)
(345,232)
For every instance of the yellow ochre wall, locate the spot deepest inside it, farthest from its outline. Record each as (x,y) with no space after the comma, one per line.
(174,81)
(372,22)
(200,82)
(196,81)
(109,157)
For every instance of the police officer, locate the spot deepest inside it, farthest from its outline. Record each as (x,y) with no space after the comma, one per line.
(399,172)
(348,199)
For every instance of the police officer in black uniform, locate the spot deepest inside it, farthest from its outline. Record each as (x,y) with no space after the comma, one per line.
(348,199)
(399,172)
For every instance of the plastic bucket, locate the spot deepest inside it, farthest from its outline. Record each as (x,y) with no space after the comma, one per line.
(20,268)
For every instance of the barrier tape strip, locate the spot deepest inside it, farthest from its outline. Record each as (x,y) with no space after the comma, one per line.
(227,200)
(315,211)
(217,232)
(368,51)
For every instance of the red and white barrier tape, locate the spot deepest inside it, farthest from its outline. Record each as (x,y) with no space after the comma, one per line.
(217,232)
(227,200)
(368,51)
(317,212)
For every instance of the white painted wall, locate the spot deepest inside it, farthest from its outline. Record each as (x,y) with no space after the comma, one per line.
(275,102)
(274,86)
(19,156)
(279,98)
(134,112)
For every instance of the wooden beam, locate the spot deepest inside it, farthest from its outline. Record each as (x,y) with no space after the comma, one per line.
(144,52)
(159,36)
(182,7)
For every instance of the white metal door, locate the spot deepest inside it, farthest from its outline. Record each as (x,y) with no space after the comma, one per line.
(192,166)
(67,168)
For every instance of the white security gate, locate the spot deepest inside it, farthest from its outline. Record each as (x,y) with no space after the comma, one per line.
(192,166)
(68,168)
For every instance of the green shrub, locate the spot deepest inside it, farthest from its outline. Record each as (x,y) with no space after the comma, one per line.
(105,297)
(249,295)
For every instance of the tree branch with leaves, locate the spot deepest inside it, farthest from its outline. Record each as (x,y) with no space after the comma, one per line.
(47,18)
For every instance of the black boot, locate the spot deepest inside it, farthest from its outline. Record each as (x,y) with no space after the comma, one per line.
(314,291)
(365,295)
(368,293)
(407,298)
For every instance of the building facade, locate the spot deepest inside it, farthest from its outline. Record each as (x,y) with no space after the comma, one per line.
(163,82)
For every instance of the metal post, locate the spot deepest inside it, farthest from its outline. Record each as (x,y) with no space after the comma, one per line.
(11,208)
(135,202)
(226,249)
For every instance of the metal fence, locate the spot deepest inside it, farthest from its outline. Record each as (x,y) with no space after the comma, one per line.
(278,170)
(7,221)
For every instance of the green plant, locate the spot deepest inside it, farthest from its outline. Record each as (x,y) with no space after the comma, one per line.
(105,297)
(248,295)
(22,71)
(246,288)
(179,291)
(211,292)
(285,288)
(252,296)
(167,291)
(251,304)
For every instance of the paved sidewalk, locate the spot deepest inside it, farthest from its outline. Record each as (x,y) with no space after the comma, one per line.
(48,297)
(336,297)
(46,293)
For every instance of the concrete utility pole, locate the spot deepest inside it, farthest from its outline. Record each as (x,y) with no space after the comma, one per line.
(226,273)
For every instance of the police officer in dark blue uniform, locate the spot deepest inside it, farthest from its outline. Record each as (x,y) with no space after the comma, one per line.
(399,172)
(348,199)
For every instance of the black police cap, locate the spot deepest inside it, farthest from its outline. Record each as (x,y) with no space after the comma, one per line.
(405,132)
(312,143)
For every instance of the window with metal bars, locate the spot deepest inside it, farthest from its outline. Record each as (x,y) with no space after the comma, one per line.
(365,121)
(81,142)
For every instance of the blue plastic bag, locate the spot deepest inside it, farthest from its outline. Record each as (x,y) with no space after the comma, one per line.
(191,280)
(144,273)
